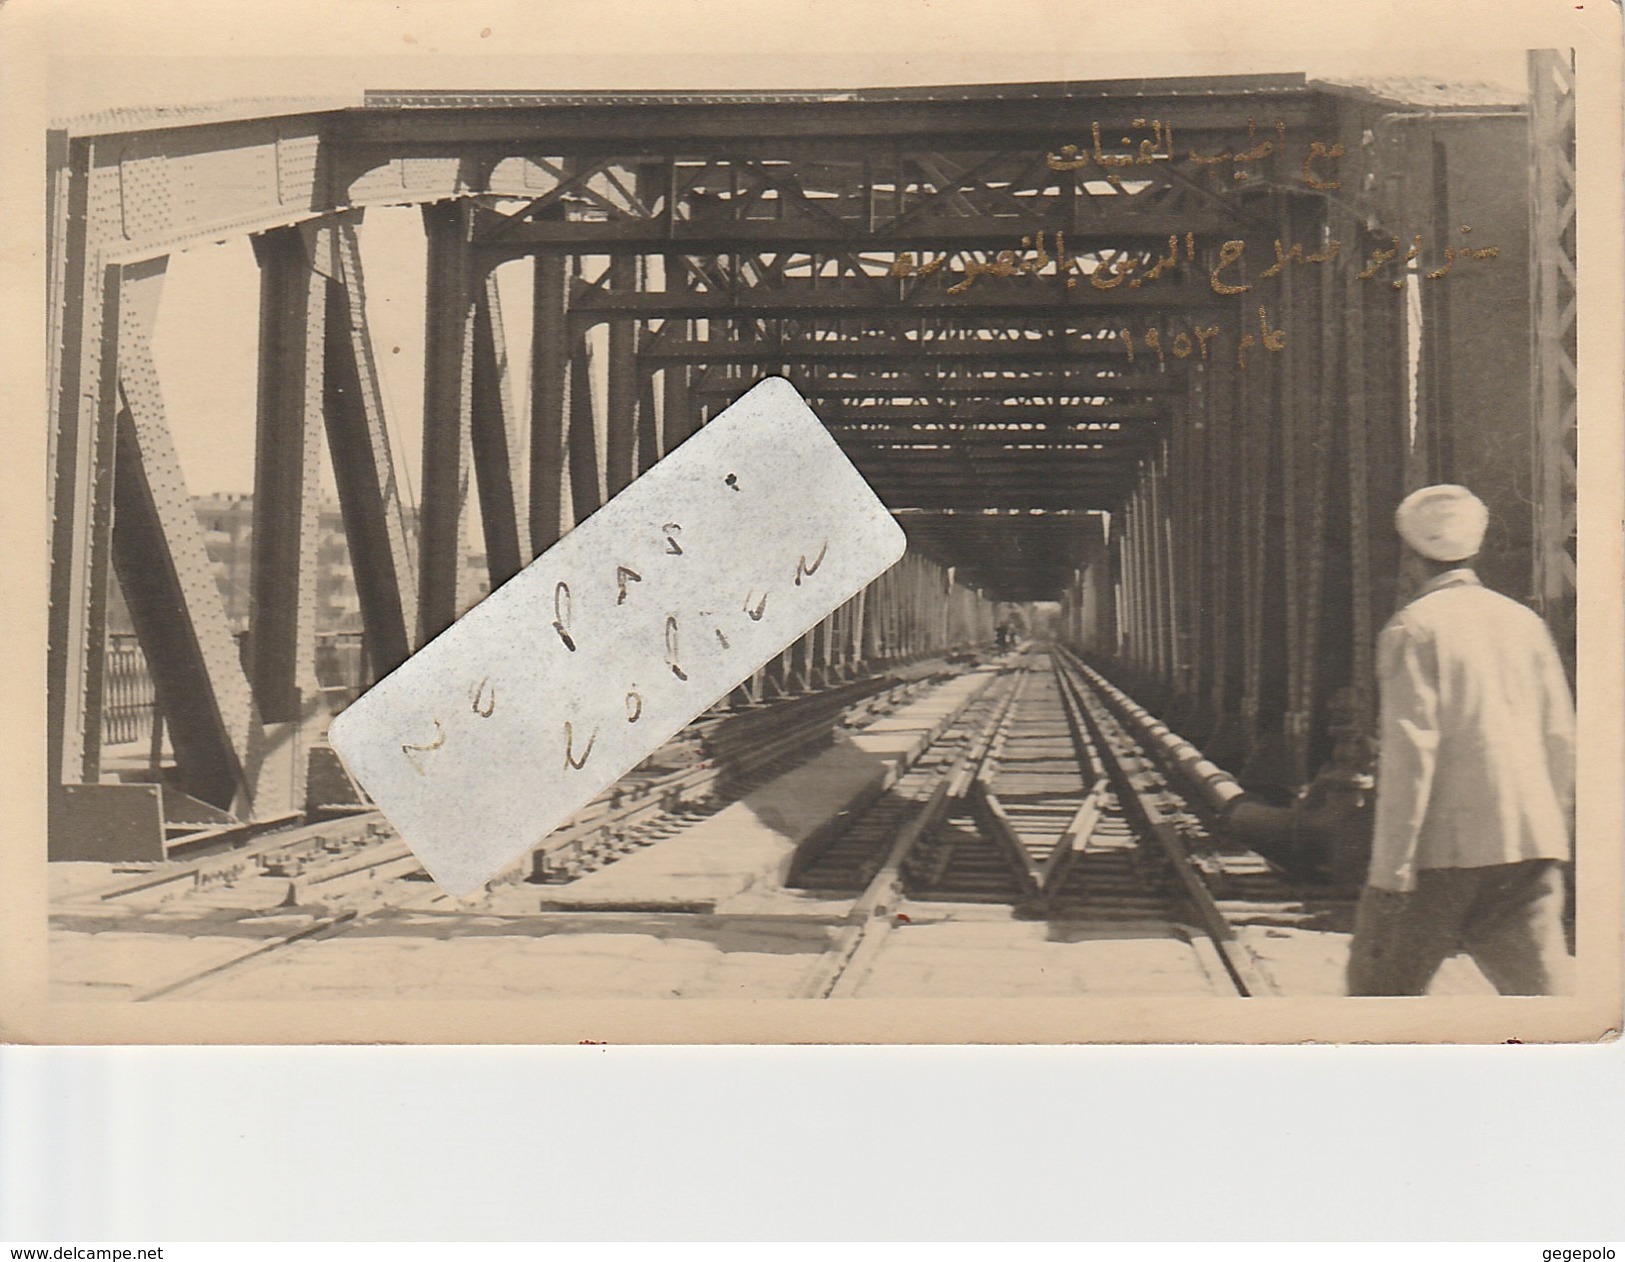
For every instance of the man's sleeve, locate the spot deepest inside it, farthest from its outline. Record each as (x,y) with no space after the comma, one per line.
(1559,723)
(1408,672)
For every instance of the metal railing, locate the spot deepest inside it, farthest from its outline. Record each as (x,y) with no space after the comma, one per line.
(129,704)
(341,667)
(130,710)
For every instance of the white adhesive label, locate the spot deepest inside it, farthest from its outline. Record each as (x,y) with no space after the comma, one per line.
(607,645)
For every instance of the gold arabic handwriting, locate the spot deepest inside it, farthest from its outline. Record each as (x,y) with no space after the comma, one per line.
(1180,254)
(1382,257)
(1182,344)
(1159,147)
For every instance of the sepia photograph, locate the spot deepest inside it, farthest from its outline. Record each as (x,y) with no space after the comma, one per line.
(857,549)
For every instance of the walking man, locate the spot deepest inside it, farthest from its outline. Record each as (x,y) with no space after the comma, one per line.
(1475,788)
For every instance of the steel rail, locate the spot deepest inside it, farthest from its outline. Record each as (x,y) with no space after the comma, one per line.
(846,962)
(1141,802)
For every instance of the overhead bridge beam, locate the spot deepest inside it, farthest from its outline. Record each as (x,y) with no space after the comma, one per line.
(1060,434)
(963,489)
(956,350)
(1040,384)
(991,413)
(990,445)
(1013,499)
(499,238)
(837,125)
(881,297)
(949,468)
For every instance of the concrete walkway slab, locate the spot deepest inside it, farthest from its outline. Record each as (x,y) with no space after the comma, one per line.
(749,844)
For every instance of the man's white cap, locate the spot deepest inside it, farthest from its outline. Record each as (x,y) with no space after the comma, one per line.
(1443,523)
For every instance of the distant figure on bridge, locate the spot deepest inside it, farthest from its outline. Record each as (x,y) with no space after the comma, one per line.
(1475,789)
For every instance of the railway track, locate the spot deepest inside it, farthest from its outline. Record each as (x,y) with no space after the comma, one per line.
(1055,808)
(1046,802)
(310,882)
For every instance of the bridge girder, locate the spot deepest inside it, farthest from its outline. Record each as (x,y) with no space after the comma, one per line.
(779,227)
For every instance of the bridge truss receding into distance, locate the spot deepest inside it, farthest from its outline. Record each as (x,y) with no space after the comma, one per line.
(1132,347)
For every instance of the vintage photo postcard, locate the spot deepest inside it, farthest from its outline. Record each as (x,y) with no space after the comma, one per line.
(941,523)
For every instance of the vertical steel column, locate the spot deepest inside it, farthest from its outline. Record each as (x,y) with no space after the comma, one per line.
(1087,622)
(801,663)
(679,415)
(868,629)
(1134,607)
(1295,408)
(1153,569)
(287,472)
(875,609)
(550,390)
(1139,580)
(795,666)
(825,651)
(1124,575)
(1227,575)
(858,645)
(651,425)
(807,646)
(585,444)
(894,610)
(1117,579)
(1377,446)
(1138,538)
(447,402)
(919,621)
(901,614)
(85,349)
(909,632)
(1123,556)
(1145,556)
(1205,527)
(936,606)
(1154,573)
(818,645)
(1197,545)
(1552,190)
(1363,667)
(1167,606)
(840,640)
(1257,415)
(493,434)
(1329,390)
(1176,543)
(931,604)
(1382,440)
(623,379)
(1130,602)
(364,472)
(1307,393)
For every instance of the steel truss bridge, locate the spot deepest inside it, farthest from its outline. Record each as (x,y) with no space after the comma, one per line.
(1126,346)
